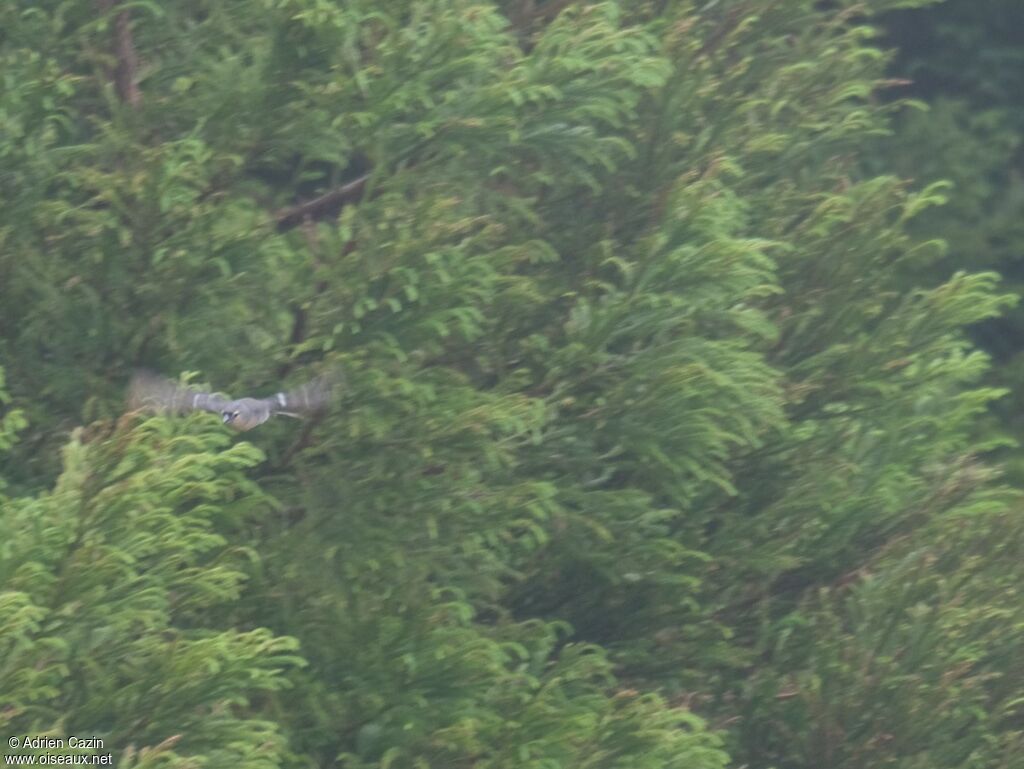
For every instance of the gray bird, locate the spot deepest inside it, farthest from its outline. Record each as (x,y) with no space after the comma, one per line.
(157,393)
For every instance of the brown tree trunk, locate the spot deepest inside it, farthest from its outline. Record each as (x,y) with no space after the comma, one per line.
(127,67)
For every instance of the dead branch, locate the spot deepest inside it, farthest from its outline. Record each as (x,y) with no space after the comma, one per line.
(328,203)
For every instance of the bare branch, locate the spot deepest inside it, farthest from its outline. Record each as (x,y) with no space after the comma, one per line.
(329,202)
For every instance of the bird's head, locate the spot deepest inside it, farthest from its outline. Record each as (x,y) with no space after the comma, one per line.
(228,416)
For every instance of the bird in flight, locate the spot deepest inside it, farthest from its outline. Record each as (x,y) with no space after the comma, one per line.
(157,393)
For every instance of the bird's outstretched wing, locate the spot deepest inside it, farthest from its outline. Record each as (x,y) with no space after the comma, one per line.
(309,398)
(152,392)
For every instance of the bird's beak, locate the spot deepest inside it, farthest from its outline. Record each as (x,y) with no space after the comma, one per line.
(225,418)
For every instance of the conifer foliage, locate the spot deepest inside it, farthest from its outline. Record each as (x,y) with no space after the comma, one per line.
(650,452)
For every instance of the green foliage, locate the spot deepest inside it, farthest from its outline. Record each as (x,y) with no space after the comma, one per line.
(105,579)
(656,407)
(11,423)
(924,644)
(965,59)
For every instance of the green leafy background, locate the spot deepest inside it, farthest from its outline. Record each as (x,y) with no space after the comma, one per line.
(669,433)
